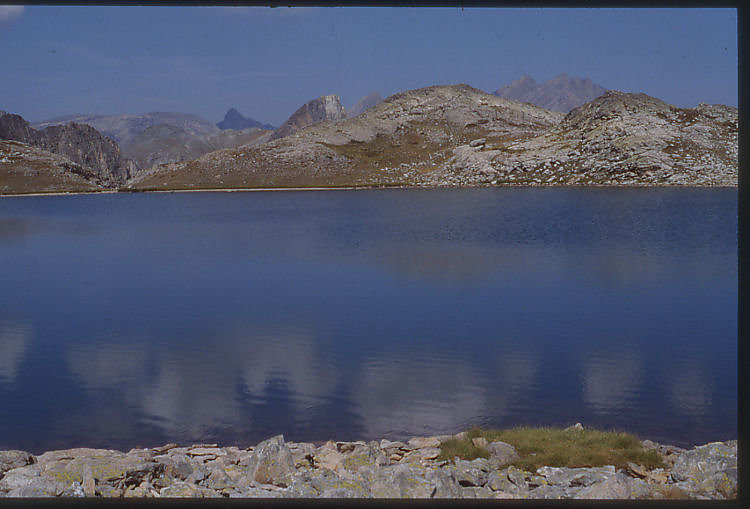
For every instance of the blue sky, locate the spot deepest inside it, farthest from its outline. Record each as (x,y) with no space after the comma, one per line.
(59,60)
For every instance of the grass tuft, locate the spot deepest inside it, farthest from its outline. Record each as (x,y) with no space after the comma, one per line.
(557,447)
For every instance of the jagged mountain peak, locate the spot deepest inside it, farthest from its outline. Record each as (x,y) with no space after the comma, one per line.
(235,120)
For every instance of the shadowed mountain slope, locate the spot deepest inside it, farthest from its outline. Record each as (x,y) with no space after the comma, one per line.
(81,144)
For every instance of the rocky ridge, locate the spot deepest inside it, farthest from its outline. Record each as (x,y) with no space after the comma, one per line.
(561,93)
(80,143)
(275,468)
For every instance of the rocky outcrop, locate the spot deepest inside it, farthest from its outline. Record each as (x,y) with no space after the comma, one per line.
(27,169)
(234,120)
(325,107)
(377,469)
(122,128)
(363,104)
(561,93)
(619,139)
(80,143)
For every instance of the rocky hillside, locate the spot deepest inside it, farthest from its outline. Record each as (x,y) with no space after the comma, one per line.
(408,139)
(163,143)
(122,128)
(81,144)
(275,468)
(460,136)
(326,107)
(27,169)
(561,93)
(366,102)
(622,138)
(234,120)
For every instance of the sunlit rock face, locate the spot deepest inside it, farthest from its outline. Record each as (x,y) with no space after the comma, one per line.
(325,107)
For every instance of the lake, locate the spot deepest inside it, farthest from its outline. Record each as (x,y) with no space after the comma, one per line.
(140,319)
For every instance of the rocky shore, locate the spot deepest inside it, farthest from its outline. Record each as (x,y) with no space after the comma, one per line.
(275,468)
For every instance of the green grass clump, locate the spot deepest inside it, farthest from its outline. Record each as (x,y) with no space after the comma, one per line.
(557,447)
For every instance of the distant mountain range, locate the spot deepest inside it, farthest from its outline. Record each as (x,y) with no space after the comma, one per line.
(561,93)
(234,120)
(123,128)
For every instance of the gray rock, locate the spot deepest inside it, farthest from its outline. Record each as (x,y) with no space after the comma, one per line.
(182,489)
(444,482)
(498,481)
(472,473)
(364,456)
(272,461)
(218,480)
(478,142)
(401,481)
(548,491)
(502,453)
(328,481)
(424,442)
(517,477)
(576,476)
(475,492)
(75,490)
(617,486)
(703,461)
(14,459)
(176,465)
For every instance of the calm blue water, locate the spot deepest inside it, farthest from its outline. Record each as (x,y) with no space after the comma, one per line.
(140,319)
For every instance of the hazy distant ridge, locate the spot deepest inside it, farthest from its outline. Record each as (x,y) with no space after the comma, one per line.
(561,93)
(123,128)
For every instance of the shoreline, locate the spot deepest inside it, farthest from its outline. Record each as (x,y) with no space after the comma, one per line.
(275,468)
(364,188)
